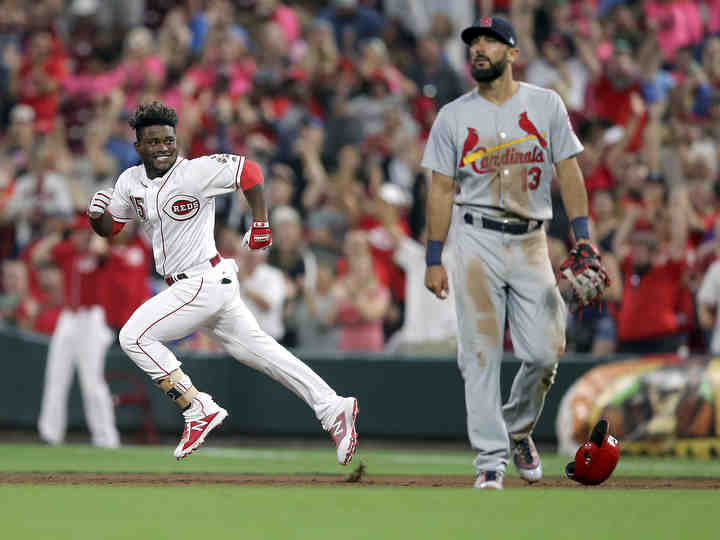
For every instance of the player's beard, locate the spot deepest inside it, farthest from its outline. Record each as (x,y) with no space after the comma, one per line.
(490,73)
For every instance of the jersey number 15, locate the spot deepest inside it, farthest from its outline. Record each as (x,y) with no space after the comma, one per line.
(139,207)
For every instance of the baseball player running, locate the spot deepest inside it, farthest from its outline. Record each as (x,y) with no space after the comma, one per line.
(173,198)
(491,152)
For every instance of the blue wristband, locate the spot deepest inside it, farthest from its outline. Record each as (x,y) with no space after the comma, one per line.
(433,253)
(580,228)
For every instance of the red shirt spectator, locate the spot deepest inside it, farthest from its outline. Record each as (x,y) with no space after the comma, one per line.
(81,275)
(651,300)
(382,248)
(125,278)
(40,77)
(613,104)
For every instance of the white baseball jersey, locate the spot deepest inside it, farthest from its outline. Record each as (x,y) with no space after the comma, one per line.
(502,156)
(177,209)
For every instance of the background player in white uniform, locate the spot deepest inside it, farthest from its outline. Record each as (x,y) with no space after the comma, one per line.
(173,198)
(491,152)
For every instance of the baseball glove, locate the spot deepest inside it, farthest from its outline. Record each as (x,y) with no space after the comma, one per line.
(586,274)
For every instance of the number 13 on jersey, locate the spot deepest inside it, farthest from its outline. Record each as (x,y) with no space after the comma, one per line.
(531,178)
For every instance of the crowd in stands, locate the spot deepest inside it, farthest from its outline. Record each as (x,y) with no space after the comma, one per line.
(335,99)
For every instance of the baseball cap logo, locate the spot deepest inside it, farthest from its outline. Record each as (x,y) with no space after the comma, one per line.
(486,22)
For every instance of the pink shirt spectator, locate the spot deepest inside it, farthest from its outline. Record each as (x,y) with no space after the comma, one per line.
(202,77)
(93,83)
(358,334)
(679,24)
(713,17)
(135,76)
(286,19)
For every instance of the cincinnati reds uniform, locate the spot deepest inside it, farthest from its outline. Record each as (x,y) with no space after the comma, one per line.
(178,212)
(501,157)
(80,341)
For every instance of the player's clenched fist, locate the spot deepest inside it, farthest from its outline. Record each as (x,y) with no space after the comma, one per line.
(436,280)
(259,236)
(99,203)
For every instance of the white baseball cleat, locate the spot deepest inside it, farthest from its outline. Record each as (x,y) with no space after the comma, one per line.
(527,460)
(195,432)
(342,430)
(489,480)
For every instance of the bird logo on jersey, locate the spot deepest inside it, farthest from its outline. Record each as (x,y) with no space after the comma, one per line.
(486,159)
(528,127)
(469,145)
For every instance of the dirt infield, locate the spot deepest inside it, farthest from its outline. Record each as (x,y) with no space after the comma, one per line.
(134,479)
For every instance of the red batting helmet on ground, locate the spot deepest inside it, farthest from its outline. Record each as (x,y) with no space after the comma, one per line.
(596,459)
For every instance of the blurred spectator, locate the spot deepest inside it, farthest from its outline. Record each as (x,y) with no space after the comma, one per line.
(612,85)
(352,24)
(432,73)
(283,16)
(361,215)
(45,304)
(321,59)
(297,263)
(38,79)
(605,221)
(142,70)
(439,18)
(360,301)
(7,228)
(678,24)
(289,253)
(559,69)
(313,315)
(127,269)
(39,194)
(19,142)
(652,317)
(262,287)
(419,333)
(14,290)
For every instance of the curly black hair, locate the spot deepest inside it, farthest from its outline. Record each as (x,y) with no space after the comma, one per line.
(152,114)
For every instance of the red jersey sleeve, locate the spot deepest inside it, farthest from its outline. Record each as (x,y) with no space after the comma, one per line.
(251,175)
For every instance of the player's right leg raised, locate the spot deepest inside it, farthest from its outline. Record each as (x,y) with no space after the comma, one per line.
(172,314)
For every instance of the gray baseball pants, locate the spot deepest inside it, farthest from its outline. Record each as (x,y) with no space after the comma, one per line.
(499,275)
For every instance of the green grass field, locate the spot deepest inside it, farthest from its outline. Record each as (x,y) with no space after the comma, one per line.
(91,512)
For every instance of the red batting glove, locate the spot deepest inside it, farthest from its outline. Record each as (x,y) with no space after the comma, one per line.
(259,236)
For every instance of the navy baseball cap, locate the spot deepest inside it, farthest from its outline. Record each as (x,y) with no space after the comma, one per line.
(495,26)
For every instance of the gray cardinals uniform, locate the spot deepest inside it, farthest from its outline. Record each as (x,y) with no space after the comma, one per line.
(501,157)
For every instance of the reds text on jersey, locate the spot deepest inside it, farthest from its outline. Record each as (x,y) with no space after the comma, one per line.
(177,209)
(502,156)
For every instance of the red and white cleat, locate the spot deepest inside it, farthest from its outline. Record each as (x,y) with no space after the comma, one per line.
(342,430)
(196,431)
